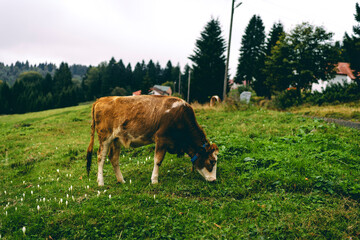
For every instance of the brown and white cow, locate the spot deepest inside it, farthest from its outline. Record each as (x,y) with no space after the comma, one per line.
(135,121)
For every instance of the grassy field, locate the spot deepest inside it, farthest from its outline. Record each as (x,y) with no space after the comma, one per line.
(280,176)
(346,111)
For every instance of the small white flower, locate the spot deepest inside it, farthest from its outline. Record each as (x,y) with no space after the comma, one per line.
(110,196)
(105,191)
(24,230)
(23,182)
(23,194)
(6,213)
(5,192)
(38,186)
(154,196)
(38,208)
(66,203)
(87,186)
(130,181)
(85,195)
(32,192)
(39,178)
(57,179)
(44,199)
(70,175)
(61,200)
(37,200)
(21,199)
(55,198)
(58,170)
(73,198)
(15,208)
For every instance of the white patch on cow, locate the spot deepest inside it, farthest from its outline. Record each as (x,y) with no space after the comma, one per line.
(155,173)
(167,111)
(178,104)
(209,176)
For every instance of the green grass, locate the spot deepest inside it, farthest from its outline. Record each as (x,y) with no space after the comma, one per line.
(280,176)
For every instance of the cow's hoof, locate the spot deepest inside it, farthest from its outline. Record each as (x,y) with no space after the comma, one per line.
(121,182)
(154,181)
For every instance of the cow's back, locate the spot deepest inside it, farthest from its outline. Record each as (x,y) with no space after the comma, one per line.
(135,119)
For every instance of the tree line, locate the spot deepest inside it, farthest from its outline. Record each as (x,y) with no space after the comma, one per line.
(269,64)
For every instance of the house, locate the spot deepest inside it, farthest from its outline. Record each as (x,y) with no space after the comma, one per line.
(160,90)
(343,74)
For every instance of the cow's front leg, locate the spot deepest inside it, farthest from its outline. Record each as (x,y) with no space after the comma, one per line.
(103,149)
(158,158)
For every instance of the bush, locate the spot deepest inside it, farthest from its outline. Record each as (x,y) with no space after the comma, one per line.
(335,93)
(286,99)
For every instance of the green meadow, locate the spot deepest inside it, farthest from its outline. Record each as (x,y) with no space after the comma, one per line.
(280,176)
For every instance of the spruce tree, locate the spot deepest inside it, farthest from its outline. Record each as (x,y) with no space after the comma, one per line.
(208,63)
(252,54)
(352,46)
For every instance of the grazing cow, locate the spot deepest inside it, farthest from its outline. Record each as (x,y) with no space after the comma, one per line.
(136,121)
(214,99)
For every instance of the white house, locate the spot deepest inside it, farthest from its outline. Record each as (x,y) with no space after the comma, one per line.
(160,90)
(343,74)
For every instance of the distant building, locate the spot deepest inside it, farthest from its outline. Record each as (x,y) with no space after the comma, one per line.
(137,93)
(343,74)
(160,90)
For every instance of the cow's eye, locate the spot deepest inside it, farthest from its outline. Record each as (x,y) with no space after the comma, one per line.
(213,162)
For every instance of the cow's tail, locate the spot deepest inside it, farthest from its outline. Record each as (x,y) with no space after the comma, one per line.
(91,145)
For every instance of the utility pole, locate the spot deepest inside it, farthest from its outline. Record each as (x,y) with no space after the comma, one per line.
(228,49)
(189,79)
(179,80)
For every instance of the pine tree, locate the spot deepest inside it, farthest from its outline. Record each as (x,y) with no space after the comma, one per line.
(62,78)
(252,53)
(208,63)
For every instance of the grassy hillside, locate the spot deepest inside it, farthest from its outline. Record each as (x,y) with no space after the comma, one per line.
(280,176)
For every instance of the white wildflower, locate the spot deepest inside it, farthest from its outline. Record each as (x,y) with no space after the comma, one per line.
(85,195)
(110,196)
(154,196)
(21,199)
(5,192)
(15,208)
(61,200)
(87,186)
(24,230)
(44,199)
(130,181)
(6,213)
(58,170)
(66,203)
(38,186)
(38,208)
(32,192)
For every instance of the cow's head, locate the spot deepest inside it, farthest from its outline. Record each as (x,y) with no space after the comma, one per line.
(207,161)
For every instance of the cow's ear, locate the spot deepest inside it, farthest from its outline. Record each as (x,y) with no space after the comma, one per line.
(214,148)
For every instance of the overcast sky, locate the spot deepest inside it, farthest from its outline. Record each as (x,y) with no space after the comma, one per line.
(92,31)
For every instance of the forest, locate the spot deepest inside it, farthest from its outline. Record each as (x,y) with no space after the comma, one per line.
(269,65)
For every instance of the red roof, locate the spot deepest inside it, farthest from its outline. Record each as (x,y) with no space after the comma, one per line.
(344,69)
(137,93)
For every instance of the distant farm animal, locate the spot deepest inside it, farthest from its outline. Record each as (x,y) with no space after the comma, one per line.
(214,99)
(135,121)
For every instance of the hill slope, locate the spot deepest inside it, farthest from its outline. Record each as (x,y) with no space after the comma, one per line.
(279,176)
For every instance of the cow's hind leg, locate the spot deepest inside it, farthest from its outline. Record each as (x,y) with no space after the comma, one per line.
(114,153)
(158,158)
(102,152)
